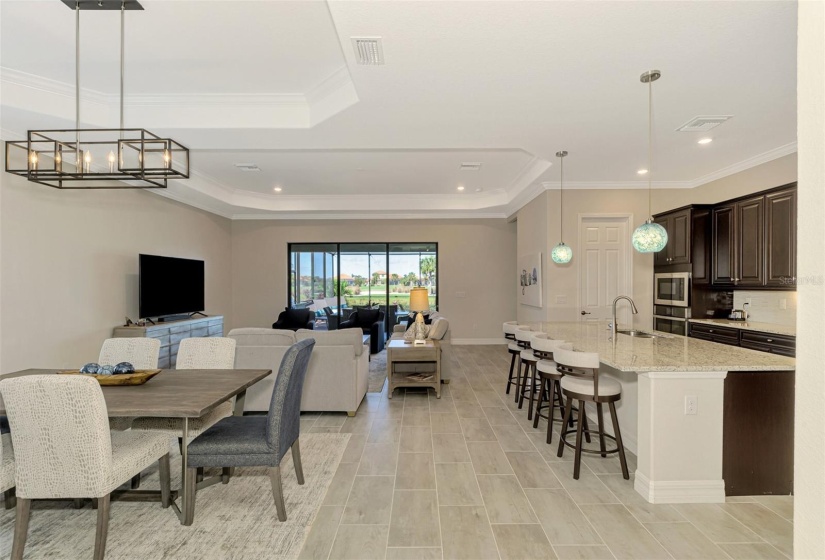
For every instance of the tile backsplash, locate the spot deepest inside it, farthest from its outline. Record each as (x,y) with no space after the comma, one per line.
(778,308)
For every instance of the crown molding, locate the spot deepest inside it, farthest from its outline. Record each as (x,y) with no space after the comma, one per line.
(469,215)
(746,164)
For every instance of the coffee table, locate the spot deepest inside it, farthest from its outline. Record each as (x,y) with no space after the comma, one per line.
(400,351)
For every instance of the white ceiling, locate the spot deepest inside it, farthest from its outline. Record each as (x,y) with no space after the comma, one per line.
(504,83)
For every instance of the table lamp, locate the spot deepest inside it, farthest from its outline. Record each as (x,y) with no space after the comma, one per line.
(419,302)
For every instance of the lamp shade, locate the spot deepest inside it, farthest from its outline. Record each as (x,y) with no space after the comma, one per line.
(561,254)
(649,237)
(419,300)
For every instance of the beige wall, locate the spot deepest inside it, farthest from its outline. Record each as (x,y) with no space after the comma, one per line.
(809,445)
(541,218)
(476,257)
(70,265)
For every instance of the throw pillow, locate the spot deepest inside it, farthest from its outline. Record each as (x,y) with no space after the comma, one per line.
(367,317)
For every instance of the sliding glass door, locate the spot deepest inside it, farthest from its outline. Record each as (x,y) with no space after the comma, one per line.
(352,275)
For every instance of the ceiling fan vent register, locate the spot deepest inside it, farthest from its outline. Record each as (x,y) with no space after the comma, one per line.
(368,50)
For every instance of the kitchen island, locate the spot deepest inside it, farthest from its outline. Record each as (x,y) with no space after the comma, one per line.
(680,454)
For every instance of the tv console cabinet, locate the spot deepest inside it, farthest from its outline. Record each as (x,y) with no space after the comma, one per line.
(171,333)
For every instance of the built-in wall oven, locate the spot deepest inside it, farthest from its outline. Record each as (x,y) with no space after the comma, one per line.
(671,319)
(672,288)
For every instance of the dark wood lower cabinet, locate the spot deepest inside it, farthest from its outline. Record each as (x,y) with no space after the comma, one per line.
(758,433)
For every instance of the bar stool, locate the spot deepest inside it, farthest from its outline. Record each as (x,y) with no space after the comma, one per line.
(580,381)
(549,381)
(513,348)
(522,341)
(528,362)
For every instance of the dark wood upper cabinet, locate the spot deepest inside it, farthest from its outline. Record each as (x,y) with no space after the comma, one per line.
(723,245)
(700,246)
(750,242)
(780,238)
(677,225)
(753,241)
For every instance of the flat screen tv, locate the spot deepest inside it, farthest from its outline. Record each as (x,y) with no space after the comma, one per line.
(170,286)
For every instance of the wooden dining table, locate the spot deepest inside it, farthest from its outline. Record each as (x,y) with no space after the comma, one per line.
(184,394)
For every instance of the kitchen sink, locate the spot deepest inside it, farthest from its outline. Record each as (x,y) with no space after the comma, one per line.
(638,334)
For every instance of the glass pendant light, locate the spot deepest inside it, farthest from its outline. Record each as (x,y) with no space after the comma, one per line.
(561,253)
(649,237)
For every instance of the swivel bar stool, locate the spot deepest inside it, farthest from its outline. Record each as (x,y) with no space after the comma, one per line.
(549,382)
(522,336)
(580,381)
(513,348)
(527,377)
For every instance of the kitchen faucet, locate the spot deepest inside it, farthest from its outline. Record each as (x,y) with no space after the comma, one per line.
(632,308)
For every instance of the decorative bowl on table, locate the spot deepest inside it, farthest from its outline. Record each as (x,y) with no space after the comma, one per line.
(123,374)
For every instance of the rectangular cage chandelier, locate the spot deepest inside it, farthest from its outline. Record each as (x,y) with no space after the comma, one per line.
(98,158)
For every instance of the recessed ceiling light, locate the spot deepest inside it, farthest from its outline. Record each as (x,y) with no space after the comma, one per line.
(642,172)
(479,189)
(277,189)
(705,141)
(460,187)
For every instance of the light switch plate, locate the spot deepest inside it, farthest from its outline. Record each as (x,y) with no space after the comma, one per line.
(561,300)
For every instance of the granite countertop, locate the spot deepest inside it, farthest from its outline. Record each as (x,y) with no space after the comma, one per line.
(666,352)
(749,326)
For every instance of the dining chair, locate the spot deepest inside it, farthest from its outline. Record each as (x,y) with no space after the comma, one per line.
(7,470)
(197,353)
(259,441)
(63,448)
(142,353)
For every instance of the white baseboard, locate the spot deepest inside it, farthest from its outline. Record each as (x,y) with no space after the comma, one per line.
(477,341)
(680,491)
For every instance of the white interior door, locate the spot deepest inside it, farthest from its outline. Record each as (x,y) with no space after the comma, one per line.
(604,267)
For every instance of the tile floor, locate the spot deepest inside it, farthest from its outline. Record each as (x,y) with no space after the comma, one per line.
(467,476)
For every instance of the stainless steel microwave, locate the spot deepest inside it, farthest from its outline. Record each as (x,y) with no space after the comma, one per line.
(672,288)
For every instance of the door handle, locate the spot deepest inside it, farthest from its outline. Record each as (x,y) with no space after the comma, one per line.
(586,313)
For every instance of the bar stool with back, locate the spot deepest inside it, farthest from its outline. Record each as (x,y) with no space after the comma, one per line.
(509,328)
(580,381)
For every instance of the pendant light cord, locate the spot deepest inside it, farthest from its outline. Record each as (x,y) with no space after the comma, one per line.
(561,204)
(77,78)
(649,147)
(122,56)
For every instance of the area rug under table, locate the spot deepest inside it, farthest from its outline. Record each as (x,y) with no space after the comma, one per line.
(236,520)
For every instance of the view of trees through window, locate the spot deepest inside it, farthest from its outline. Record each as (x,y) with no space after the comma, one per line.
(362,274)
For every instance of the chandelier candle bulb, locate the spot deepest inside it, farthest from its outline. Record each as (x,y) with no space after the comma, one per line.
(111,161)
(33,161)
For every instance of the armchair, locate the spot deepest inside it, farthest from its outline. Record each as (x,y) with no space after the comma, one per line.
(332,319)
(371,322)
(293,319)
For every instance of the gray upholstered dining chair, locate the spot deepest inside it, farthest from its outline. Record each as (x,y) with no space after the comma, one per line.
(63,448)
(259,441)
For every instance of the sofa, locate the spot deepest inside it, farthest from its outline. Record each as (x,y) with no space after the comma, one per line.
(440,331)
(293,319)
(337,376)
(371,322)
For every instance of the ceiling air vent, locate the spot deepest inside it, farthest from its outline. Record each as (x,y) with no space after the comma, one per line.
(470,166)
(368,50)
(703,124)
(248,166)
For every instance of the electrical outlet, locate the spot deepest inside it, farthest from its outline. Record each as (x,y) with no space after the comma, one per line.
(691,404)
(561,300)
(461,294)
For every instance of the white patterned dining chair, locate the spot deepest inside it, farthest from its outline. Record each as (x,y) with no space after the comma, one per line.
(197,353)
(63,448)
(7,470)
(142,353)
